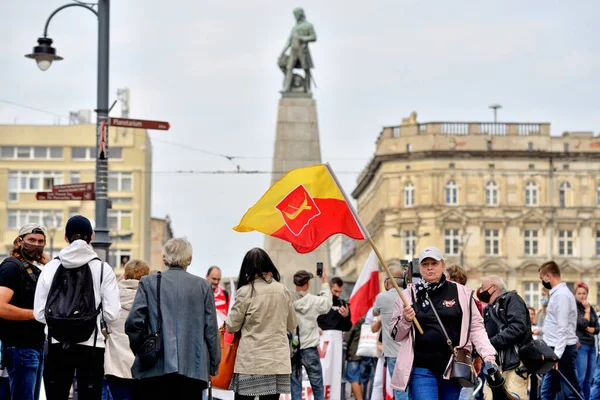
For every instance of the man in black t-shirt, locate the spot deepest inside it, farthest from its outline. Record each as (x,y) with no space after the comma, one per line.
(22,336)
(338,318)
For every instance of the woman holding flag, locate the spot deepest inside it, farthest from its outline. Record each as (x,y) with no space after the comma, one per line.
(446,312)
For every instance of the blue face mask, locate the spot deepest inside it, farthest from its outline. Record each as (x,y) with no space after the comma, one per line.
(544,300)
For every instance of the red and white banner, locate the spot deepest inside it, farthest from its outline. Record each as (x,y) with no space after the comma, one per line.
(382,379)
(366,289)
(330,350)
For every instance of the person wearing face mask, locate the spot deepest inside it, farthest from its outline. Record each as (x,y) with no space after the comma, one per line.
(538,330)
(22,336)
(559,333)
(508,326)
(587,329)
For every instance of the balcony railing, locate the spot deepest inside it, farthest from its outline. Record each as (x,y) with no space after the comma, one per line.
(470,128)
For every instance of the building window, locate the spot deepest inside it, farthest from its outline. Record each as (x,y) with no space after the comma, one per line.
(31,181)
(410,243)
(598,243)
(34,152)
(18,218)
(119,220)
(563,194)
(598,195)
(115,153)
(565,243)
(75,177)
(531,242)
(121,200)
(492,242)
(117,258)
(530,146)
(531,294)
(566,147)
(408,148)
(409,195)
(120,181)
(83,153)
(491,194)
(451,242)
(491,166)
(451,193)
(531,194)
(396,131)
(489,145)
(451,165)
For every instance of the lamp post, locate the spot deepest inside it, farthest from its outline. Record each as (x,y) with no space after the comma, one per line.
(44,54)
(495,107)
(463,244)
(51,227)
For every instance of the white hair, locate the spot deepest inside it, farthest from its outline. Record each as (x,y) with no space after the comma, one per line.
(177,252)
(496,280)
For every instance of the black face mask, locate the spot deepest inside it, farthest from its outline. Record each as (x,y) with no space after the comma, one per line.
(31,251)
(485,296)
(547,285)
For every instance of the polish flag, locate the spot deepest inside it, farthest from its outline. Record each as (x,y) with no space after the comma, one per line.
(366,289)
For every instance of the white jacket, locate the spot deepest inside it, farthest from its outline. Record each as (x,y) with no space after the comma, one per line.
(75,255)
(118,357)
(308,308)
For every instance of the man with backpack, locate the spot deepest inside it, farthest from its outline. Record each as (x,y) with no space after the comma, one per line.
(508,326)
(22,336)
(77,294)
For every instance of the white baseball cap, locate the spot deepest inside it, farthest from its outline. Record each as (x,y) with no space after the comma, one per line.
(430,252)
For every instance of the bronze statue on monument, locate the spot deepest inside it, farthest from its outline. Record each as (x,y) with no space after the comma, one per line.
(299,58)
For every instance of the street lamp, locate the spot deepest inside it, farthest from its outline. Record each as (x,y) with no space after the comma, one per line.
(44,54)
(495,107)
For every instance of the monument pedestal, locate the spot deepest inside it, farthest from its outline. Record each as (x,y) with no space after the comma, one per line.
(296,145)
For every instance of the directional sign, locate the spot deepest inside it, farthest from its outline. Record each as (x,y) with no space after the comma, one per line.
(83,195)
(140,123)
(75,187)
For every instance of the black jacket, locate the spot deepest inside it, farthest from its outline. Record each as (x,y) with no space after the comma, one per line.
(584,336)
(508,328)
(333,319)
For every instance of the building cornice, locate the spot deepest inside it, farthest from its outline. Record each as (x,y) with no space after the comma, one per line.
(372,168)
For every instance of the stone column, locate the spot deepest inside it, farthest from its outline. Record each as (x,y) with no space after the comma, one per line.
(296,145)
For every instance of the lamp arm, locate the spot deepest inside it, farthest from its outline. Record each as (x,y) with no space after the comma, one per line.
(62,8)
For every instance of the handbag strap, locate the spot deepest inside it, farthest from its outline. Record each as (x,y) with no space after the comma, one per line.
(448,341)
(158,279)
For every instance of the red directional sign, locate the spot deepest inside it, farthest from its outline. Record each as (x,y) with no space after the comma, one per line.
(65,195)
(140,123)
(75,187)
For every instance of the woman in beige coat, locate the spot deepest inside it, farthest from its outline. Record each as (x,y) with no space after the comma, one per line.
(118,357)
(263,312)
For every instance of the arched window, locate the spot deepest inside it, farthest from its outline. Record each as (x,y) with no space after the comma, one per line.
(491,194)
(409,195)
(531,194)
(451,193)
(563,194)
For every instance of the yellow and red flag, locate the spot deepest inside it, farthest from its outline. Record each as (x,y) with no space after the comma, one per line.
(305,207)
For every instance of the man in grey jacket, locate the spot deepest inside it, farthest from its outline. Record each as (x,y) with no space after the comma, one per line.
(308,308)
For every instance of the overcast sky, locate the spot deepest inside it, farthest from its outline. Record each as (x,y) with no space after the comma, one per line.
(209,68)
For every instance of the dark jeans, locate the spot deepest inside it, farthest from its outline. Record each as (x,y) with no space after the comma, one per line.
(4,389)
(311,361)
(554,383)
(25,368)
(170,386)
(120,389)
(86,362)
(425,385)
(586,364)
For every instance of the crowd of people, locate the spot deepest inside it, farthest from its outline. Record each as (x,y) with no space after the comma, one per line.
(71,323)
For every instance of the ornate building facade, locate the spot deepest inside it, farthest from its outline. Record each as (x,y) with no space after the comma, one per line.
(498,198)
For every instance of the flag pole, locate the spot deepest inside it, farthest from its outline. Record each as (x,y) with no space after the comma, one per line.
(372,243)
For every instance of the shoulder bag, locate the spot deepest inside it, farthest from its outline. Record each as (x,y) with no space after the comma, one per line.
(151,346)
(462,372)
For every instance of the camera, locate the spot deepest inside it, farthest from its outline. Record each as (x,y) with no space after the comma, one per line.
(319,269)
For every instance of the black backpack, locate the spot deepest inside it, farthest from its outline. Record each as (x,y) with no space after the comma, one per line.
(71,312)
